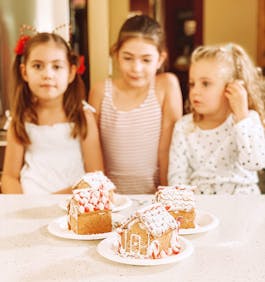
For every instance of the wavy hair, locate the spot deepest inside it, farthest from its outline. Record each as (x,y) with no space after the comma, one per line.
(237,65)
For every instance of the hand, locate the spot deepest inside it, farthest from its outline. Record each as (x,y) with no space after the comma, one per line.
(237,96)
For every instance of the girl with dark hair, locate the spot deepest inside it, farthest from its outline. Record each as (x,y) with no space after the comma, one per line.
(137,110)
(52,140)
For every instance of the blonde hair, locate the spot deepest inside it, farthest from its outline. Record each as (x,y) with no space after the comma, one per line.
(237,66)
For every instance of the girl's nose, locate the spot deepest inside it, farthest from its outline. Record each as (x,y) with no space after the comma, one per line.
(137,65)
(194,91)
(47,72)
(194,88)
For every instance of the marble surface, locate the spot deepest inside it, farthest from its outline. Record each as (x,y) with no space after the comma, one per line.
(233,251)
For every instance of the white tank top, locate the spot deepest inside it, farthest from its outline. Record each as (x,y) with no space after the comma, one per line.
(53,160)
(130,141)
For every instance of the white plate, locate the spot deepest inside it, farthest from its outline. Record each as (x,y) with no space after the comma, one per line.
(59,228)
(204,221)
(106,248)
(121,202)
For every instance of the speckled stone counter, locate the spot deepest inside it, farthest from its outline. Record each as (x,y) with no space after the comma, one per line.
(233,251)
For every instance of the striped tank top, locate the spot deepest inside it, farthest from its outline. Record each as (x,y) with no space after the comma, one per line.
(130,141)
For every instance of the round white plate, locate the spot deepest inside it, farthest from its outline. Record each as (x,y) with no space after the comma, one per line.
(121,202)
(204,221)
(59,228)
(106,248)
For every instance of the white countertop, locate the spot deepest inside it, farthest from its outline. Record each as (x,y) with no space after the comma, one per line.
(233,251)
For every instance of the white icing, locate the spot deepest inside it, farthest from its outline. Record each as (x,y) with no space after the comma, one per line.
(153,249)
(88,200)
(96,180)
(176,198)
(156,219)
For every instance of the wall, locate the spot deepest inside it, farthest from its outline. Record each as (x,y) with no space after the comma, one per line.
(104,20)
(224,21)
(231,21)
(98,38)
(118,12)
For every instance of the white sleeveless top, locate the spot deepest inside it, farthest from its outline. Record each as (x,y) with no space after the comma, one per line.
(53,161)
(130,141)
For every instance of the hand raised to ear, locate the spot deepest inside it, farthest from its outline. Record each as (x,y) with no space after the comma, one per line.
(237,96)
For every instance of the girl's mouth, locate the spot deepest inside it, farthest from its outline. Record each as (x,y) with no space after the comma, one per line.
(47,85)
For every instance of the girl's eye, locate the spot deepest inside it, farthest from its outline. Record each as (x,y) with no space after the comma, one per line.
(57,67)
(127,58)
(147,60)
(205,83)
(36,66)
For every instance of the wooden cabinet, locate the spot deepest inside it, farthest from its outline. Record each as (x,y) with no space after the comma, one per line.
(79,35)
(183,26)
(143,6)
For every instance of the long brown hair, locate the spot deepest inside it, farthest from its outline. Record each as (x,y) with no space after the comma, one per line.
(23,102)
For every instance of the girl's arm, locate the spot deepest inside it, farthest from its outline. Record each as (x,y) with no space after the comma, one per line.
(64,191)
(91,147)
(249,134)
(171,112)
(179,169)
(13,162)
(95,98)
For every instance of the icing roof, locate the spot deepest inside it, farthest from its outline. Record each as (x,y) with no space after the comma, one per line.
(94,180)
(156,219)
(88,200)
(176,198)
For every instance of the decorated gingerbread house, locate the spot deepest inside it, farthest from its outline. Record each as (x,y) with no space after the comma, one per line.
(179,202)
(150,233)
(89,211)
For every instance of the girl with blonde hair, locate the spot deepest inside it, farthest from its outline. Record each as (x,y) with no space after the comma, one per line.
(220,145)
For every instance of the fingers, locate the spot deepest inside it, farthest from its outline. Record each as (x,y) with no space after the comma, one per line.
(237,86)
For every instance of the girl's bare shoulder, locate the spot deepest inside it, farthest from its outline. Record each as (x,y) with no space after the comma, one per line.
(167,85)
(97,89)
(167,79)
(96,95)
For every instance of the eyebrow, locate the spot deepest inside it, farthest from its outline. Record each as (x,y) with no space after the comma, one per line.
(205,77)
(132,54)
(53,61)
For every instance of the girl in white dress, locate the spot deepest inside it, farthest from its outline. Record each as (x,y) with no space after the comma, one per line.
(52,140)
(220,146)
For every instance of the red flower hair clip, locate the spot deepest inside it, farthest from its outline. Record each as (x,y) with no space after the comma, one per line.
(81,67)
(20,46)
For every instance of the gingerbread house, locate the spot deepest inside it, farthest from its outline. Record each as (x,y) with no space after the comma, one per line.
(179,201)
(150,233)
(89,211)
